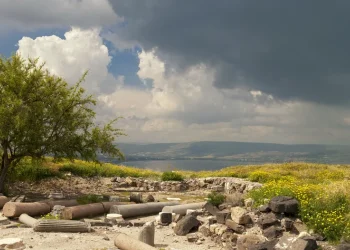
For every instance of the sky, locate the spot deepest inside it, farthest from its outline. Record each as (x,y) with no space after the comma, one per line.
(199,70)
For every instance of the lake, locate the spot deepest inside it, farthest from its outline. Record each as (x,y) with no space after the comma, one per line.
(194,165)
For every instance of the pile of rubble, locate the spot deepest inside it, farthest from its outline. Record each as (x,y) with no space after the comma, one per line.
(217,184)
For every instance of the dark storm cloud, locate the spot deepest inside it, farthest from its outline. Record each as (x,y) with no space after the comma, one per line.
(290,49)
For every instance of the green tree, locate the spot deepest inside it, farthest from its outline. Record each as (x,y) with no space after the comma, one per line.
(40,114)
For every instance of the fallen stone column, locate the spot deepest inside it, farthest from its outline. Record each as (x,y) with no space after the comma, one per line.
(89,210)
(181,209)
(140,209)
(15,209)
(3,200)
(62,226)
(27,220)
(125,242)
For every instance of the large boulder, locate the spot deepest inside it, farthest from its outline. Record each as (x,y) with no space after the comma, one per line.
(186,224)
(284,204)
(240,216)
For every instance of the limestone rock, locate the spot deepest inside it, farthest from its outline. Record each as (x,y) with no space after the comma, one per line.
(147,234)
(267,245)
(264,209)
(235,226)
(222,216)
(12,243)
(287,224)
(211,208)
(193,237)
(150,198)
(284,204)
(186,224)
(272,232)
(204,229)
(240,216)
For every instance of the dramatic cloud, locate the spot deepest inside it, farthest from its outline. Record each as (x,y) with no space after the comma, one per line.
(293,50)
(81,50)
(34,14)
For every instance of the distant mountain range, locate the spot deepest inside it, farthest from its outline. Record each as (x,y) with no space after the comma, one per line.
(236,151)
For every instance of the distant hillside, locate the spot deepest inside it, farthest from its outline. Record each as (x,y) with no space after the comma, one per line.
(236,151)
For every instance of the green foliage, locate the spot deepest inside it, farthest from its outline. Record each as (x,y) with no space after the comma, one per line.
(216,198)
(32,170)
(50,217)
(42,115)
(172,176)
(90,198)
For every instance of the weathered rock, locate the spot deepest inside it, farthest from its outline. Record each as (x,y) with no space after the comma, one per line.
(248,203)
(264,209)
(234,226)
(267,220)
(186,224)
(131,182)
(177,217)
(165,218)
(272,232)
(229,240)
(221,229)
(12,243)
(146,235)
(240,216)
(57,210)
(284,204)
(204,229)
(245,242)
(136,197)
(211,208)
(150,198)
(193,237)
(287,224)
(222,216)
(298,227)
(213,227)
(4,221)
(212,220)
(267,245)
(304,244)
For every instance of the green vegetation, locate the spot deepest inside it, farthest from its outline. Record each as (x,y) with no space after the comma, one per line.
(172,176)
(216,198)
(322,190)
(50,217)
(42,115)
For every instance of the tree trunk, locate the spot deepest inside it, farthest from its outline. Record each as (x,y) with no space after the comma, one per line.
(5,164)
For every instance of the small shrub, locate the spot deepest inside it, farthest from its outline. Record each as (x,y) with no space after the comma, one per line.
(216,198)
(172,176)
(90,198)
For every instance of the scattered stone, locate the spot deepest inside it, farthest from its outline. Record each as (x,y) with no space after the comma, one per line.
(264,209)
(222,216)
(138,223)
(272,232)
(220,229)
(12,243)
(235,199)
(147,234)
(204,229)
(225,206)
(287,224)
(124,223)
(298,227)
(212,220)
(192,237)
(343,246)
(106,238)
(267,245)
(267,220)
(218,188)
(57,211)
(165,218)
(304,244)
(284,204)
(213,227)
(150,198)
(229,240)
(234,226)
(211,208)
(186,224)
(245,242)
(240,216)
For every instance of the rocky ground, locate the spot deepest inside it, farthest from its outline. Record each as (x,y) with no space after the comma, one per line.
(235,224)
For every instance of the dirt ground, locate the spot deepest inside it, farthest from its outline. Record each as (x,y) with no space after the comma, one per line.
(102,238)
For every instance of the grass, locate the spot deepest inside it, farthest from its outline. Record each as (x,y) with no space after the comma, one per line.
(216,198)
(323,191)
